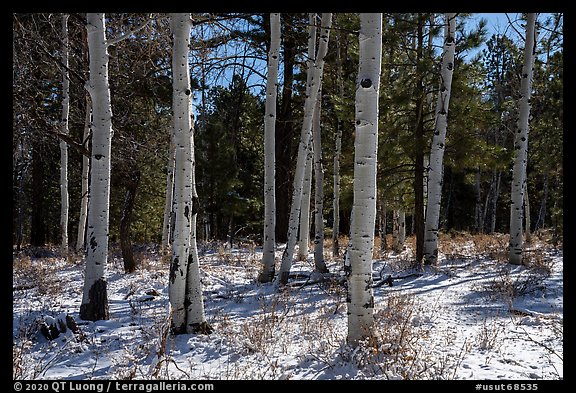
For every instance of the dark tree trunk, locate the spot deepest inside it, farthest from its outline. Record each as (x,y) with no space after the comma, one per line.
(540,222)
(18,204)
(126,221)
(38,225)
(419,154)
(284,134)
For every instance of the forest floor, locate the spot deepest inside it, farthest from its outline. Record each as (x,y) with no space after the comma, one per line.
(473,316)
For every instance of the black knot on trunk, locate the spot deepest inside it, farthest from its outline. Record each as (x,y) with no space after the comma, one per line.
(187,92)
(365,83)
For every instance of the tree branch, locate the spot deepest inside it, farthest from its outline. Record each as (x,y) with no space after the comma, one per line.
(124,36)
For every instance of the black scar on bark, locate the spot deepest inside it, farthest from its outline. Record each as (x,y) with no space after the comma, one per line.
(366,83)
(187,92)
(186,211)
(173,269)
(98,156)
(97,307)
(93,243)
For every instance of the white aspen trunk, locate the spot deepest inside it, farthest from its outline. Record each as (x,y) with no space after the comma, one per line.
(521,144)
(319,263)
(360,297)
(195,318)
(304,224)
(85,180)
(401,228)
(63,145)
(95,299)
(527,214)
(181,25)
(337,153)
(269,247)
(438,144)
(304,232)
(309,104)
(169,198)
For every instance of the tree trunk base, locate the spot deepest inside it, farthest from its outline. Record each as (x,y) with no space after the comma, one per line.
(97,307)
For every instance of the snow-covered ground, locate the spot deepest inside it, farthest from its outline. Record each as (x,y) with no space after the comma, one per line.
(471,317)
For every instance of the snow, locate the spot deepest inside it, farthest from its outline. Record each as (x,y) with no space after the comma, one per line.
(471,317)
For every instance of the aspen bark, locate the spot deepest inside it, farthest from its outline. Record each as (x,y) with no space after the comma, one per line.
(521,144)
(319,263)
(360,299)
(337,153)
(80,243)
(269,247)
(195,317)
(309,104)
(304,225)
(180,25)
(435,172)
(94,300)
(304,231)
(528,234)
(64,199)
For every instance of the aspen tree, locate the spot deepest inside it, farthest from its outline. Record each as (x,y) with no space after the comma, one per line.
(360,299)
(304,231)
(337,153)
(521,144)
(85,180)
(185,288)
(435,172)
(95,298)
(310,102)
(304,225)
(180,25)
(269,248)
(94,304)
(319,263)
